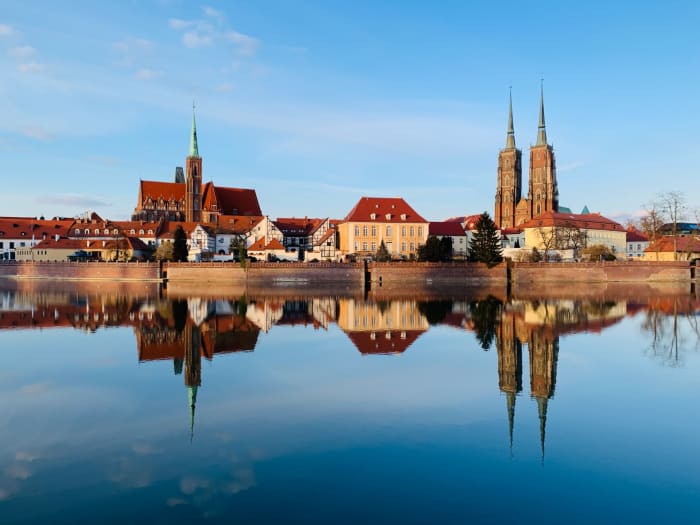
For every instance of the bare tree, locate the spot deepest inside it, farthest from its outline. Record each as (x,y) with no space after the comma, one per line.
(652,221)
(549,239)
(674,207)
(570,237)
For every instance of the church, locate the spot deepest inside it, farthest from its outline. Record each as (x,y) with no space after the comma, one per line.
(188,200)
(511,208)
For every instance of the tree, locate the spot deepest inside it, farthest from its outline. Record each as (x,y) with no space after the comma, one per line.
(446,249)
(674,207)
(382,254)
(180,250)
(485,245)
(164,252)
(570,237)
(485,315)
(599,252)
(548,238)
(430,251)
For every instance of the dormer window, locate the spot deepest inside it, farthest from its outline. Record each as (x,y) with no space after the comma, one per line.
(372,216)
(388,216)
(403,216)
(150,232)
(77,231)
(106,231)
(97,231)
(115,231)
(132,231)
(87,231)
(141,232)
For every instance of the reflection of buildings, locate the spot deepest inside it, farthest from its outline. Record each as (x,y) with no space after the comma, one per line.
(510,366)
(381,327)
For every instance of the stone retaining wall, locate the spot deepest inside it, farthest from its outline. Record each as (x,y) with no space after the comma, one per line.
(634,271)
(436,274)
(83,271)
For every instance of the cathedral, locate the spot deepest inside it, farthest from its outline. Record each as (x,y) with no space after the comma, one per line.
(187,199)
(511,208)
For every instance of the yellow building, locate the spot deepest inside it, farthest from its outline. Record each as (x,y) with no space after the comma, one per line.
(377,219)
(569,231)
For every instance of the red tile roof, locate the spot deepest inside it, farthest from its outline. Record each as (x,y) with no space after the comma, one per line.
(165,190)
(634,235)
(20,228)
(257,246)
(468,221)
(274,244)
(230,201)
(452,229)
(381,344)
(237,223)
(292,226)
(591,221)
(683,245)
(385,209)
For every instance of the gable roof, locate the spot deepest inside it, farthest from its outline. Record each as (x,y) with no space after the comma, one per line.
(384,341)
(237,224)
(450,228)
(292,226)
(468,221)
(589,221)
(634,235)
(385,209)
(230,201)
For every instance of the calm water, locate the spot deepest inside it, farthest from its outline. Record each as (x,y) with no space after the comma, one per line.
(119,405)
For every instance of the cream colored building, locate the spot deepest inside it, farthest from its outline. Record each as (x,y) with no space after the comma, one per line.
(377,219)
(554,231)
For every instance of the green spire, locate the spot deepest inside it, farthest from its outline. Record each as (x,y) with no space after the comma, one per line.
(192,391)
(194,150)
(510,403)
(541,132)
(542,412)
(510,139)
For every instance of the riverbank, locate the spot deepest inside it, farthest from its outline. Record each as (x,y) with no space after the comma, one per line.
(390,276)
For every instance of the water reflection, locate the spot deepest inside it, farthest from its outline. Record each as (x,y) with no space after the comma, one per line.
(392,377)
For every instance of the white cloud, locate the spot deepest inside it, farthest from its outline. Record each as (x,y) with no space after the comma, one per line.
(147,74)
(31,67)
(247,45)
(6,30)
(176,23)
(22,52)
(78,200)
(133,44)
(193,39)
(37,132)
(226,87)
(214,13)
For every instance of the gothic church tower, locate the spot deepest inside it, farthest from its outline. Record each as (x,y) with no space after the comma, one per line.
(509,186)
(543,194)
(193,180)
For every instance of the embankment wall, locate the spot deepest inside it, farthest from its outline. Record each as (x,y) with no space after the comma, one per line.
(612,272)
(82,271)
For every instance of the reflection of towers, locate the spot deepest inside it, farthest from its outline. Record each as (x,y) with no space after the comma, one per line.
(544,353)
(510,366)
(192,339)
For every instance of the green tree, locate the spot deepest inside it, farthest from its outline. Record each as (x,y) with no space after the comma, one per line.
(446,249)
(180,250)
(382,254)
(430,251)
(485,245)
(485,315)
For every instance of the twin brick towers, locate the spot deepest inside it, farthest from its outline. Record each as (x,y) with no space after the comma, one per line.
(542,194)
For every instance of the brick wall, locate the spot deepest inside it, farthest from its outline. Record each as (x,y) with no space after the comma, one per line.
(634,271)
(436,274)
(82,271)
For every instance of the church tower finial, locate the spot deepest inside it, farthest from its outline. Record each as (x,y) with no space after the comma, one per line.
(194,150)
(510,139)
(541,131)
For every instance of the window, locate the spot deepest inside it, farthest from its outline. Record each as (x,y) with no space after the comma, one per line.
(150,232)
(372,216)
(403,246)
(420,231)
(374,246)
(364,231)
(388,216)
(413,247)
(12,245)
(357,230)
(77,231)
(364,246)
(388,230)
(412,231)
(87,231)
(22,244)
(357,246)
(403,216)
(115,231)
(2,245)
(374,231)
(141,232)
(97,231)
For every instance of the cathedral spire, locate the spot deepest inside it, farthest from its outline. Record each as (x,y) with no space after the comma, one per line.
(510,403)
(541,131)
(542,412)
(192,391)
(194,150)
(510,139)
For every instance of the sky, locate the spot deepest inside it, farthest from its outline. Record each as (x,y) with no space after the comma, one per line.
(315,104)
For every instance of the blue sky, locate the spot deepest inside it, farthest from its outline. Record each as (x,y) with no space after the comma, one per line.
(316,103)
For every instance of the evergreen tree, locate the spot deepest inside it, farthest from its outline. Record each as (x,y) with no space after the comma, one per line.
(180,249)
(446,249)
(485,245)
(430,251)
(382,254)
